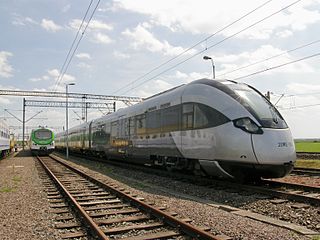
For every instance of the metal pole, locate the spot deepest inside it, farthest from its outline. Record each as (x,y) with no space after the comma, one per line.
(67,144)
(86,111)
(213,70)
(23,121)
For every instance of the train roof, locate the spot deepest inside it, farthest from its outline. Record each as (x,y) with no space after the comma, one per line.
(39,128)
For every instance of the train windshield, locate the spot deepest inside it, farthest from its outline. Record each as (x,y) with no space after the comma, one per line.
(43,134)
(259,106)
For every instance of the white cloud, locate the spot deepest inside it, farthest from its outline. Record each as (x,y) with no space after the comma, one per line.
(83,56)
(142,39)
(101,38)
(229,63)
(302,88)
(100,25)
(6,69)
(52,76)
(150,89)
(120,55)
(93,25)
(49,25)
(161,83)
(207,16)
(186,78)
(23,21)
(284,34)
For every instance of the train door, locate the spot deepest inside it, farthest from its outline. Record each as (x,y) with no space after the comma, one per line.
(82,137)
(89,137)
(187,133)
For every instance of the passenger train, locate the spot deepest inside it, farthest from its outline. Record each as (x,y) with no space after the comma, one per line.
(4,140)
(41,141)
(219,128)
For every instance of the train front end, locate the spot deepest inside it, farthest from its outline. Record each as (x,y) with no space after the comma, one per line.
(42,141)
(271,138)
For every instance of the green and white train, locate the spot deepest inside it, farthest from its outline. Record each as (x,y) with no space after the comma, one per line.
(41,141)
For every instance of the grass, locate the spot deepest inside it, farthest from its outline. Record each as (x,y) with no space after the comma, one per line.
(316,237)
(6,189)
(307,146)
(16,179)
(308,163)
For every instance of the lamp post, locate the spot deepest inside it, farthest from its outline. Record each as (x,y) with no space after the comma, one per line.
(67,121)
(213,70)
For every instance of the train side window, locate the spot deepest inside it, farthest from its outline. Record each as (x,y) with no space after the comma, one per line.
(200,118)
(141,124)
(123,128)
(153,122)
(171,118)
(132,126)
(187,116)
(206,116)
(114,129)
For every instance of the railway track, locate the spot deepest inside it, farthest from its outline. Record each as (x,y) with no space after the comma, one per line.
(105,211)
(306,171)
(295,192)
(273,188)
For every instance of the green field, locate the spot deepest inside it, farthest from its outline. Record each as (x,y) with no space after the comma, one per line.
(307,146)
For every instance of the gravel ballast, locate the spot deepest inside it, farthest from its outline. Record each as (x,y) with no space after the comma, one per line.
(24,209)
(220,222)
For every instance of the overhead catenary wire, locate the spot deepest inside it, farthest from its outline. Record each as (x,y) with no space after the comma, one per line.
(278,66)
(195,45)
(71,47)
(217,43)
(267,59)
(82,34)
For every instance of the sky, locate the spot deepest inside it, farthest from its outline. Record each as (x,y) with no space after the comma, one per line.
(142,47)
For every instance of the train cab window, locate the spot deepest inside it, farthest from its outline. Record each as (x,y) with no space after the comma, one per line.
(43,134)
(187,116)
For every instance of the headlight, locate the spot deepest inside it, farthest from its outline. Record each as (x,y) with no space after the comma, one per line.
(247,125)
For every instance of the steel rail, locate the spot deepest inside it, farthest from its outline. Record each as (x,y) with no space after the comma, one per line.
(304,187)
(172,221)
(93,226)
(283,194)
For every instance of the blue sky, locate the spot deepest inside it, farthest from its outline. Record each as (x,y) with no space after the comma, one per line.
(126,39)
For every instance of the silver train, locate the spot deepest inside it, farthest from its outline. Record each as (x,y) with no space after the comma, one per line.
(215,127)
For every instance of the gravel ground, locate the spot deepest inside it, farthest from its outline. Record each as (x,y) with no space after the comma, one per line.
(24,208)
(220,222)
